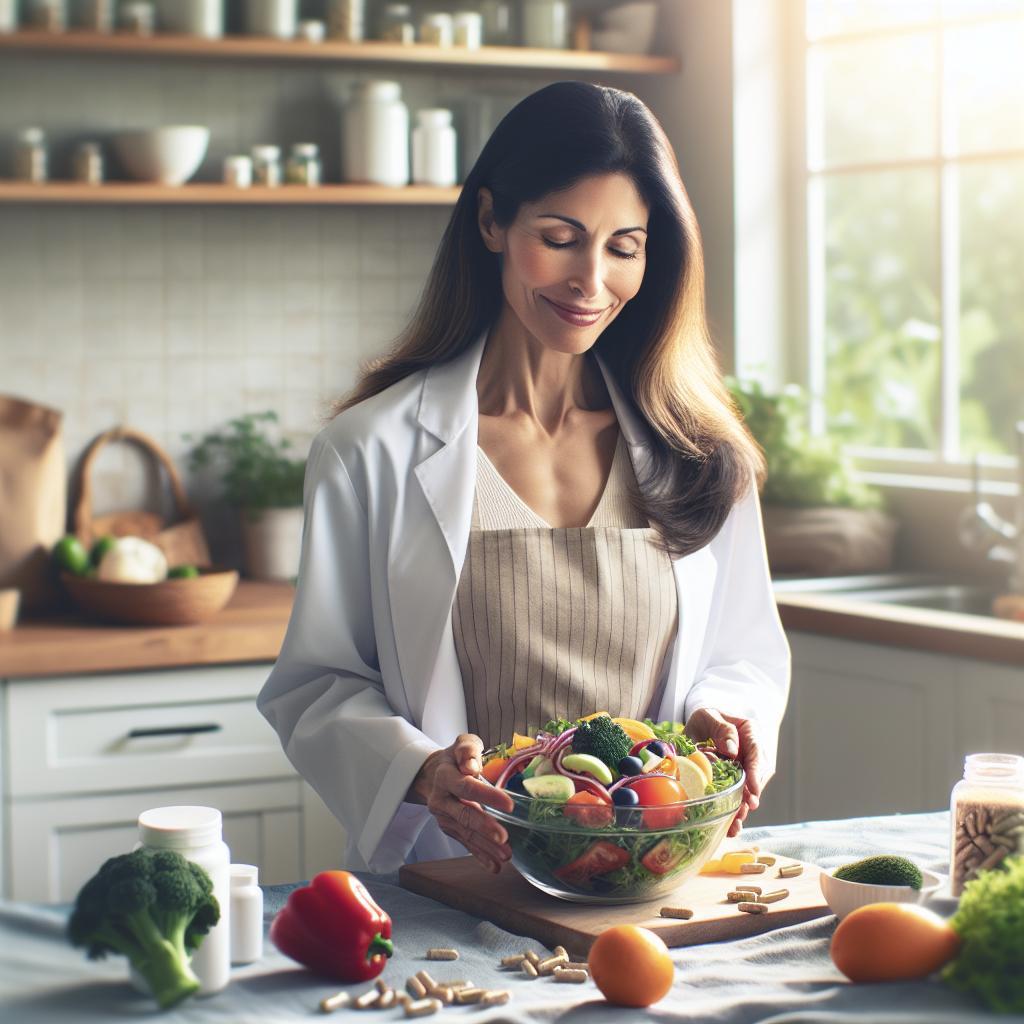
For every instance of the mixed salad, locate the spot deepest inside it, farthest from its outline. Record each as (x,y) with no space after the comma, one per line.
(613,808)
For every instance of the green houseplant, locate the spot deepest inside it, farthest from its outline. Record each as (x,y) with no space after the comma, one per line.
(819,518)
(264,482)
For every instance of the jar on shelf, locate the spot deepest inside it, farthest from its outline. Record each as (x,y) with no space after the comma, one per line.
(138,18)
(276,18)
(30,157)
(499,27)
(238,170)
(437,29)
(433,148)
(346,20)
(375,135)
(987,816)
(98,15)
(303,166)
(546,24)
(48,15)
(88,163)
(396,24)
(469,29)
(266,165)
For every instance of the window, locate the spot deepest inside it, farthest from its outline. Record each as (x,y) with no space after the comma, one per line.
(915,224)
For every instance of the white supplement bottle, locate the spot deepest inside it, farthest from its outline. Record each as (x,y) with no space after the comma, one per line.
(375,135)
(433,148)
(246,914)
(195,833)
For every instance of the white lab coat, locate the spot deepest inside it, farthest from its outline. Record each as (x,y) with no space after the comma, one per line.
(367,683)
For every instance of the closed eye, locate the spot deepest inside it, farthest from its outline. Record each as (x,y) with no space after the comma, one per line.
(618,252)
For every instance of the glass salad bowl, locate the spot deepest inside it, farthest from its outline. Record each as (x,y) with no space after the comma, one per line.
(621,855)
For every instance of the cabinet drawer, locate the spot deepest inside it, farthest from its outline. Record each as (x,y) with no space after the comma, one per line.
(140,730)
(59,843)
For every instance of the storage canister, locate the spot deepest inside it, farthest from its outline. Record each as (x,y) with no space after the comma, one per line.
(238,170)
(437,29)
(303,166)
(375,135)
(195,833)
(469,29)
(30,160)
(88,163)
(987,816)
(346,20)
(246,914)
(266,165)
(204,18)
(546,24)
(433,148)
(277,18)
(395,24)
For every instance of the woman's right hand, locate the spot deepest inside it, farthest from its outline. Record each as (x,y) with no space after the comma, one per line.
(448,783)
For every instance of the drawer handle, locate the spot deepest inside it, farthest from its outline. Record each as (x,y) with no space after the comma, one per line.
(174,730)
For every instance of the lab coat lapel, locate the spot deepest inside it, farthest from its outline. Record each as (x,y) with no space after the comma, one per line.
(426,563)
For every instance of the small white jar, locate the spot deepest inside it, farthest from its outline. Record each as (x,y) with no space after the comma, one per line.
(276,18)
(266,165)
(546,24)
(375,135)
(195,833)
(437,29)
(469,29)
(433,148)
(246,914)
(238,171)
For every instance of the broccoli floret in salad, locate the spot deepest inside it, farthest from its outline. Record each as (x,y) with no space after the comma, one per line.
(602,738)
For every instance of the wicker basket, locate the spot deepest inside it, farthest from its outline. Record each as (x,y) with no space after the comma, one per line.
(174,602)
(182,541)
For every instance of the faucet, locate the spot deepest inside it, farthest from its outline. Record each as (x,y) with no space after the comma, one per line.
(983,529)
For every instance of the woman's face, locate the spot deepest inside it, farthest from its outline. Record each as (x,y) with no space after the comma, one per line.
(573,259)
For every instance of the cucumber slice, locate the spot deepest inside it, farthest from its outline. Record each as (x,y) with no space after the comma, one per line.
(540,765)
(550,787)
(589,764)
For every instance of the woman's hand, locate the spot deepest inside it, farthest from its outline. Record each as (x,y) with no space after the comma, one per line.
(448,784)
(733,737)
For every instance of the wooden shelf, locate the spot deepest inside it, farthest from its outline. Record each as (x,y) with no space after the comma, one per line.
(370,52)
(139,193)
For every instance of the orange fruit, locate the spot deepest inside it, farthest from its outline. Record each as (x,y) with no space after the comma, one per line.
(634,729)
(631,965)
(892,942)
(521,742)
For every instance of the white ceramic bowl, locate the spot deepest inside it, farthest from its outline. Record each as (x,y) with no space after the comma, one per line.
(843,896)
(628,28)
(168,156)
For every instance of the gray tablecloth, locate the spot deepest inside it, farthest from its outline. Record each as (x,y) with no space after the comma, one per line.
(781,976)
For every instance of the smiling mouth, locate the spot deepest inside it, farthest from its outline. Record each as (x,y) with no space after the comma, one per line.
(574,310)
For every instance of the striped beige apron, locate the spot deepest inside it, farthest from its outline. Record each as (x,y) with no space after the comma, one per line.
(558,623)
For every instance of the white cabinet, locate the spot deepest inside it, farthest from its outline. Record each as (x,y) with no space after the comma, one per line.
(82,757)
(872,729)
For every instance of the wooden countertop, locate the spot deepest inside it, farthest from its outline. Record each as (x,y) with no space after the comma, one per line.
(938,632)
(250,628)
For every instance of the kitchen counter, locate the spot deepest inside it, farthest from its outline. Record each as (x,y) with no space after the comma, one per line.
(765,977)
(250,628)
(937,632)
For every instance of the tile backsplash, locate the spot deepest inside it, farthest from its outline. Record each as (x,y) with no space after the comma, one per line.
(173,319)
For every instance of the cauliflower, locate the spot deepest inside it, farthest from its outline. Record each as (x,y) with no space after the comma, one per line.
(132,560)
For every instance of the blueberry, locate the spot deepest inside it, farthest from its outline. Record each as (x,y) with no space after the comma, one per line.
(625,797)
(630,765)
(515,784)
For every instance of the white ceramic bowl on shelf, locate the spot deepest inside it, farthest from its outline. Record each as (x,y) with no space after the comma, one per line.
(843,897)
(167,156)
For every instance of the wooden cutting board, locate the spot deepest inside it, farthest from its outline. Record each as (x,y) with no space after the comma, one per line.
(512,903)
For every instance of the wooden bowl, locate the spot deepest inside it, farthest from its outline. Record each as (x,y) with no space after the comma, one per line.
(174,602)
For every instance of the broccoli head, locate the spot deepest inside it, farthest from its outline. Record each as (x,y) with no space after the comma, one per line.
(603,738)
(152,906)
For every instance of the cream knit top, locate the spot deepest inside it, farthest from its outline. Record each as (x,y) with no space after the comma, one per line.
(560,622)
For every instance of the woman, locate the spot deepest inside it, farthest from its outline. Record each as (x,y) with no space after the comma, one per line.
(539,505)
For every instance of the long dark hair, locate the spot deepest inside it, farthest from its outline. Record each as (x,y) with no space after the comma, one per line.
(658,348)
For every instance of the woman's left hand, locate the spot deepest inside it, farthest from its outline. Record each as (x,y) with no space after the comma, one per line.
(733,737)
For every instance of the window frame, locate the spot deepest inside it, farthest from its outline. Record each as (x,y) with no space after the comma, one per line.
(947,468)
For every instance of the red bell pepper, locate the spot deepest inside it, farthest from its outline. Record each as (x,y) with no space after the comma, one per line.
(333,927)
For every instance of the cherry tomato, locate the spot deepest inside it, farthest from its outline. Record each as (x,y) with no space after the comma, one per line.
(655,793)
(661,858)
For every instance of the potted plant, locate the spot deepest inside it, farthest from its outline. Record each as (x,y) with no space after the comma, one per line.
(265,484)
(818,518)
